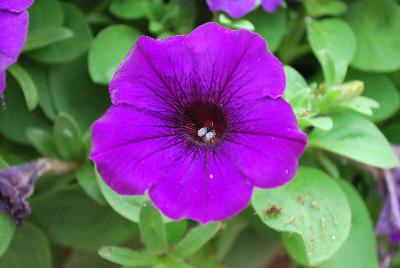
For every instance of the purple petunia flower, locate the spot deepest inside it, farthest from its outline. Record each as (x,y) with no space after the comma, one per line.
(239,8)
(198,121)
(14,28)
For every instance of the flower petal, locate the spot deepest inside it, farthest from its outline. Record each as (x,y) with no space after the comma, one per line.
(149,76)
(267,142)
(235,8)
(15,5)
(14,27)
(235,64)
(271,5)
(132,149)
(210,189)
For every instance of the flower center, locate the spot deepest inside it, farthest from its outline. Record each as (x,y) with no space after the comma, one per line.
(204,122)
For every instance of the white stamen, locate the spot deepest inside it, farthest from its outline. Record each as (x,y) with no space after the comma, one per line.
(202,132)
(210,135)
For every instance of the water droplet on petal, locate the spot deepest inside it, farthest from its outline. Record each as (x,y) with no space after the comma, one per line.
(211,176)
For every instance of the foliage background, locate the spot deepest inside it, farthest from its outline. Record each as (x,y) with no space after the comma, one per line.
(59,87)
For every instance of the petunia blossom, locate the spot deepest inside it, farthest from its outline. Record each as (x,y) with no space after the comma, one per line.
(14,27)
(197,122)
(239,8)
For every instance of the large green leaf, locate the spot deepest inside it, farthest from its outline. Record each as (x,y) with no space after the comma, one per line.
(355,137)
(28,249)
(43,37)
(361,238)
(271,26)
(87,179)
(376,25)
(73,220)
(45,14)
(108,50)
(70,48)
(312,210)
(7,228)
(334,44)
(318,8)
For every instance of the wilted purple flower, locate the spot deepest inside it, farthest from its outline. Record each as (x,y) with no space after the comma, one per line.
(198,121)
(239,8)
(14,28)
(389,219)
(17,183)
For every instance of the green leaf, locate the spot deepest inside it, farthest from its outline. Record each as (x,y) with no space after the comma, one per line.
(175,230)
(87,179)
(29,248)
(7,228)
(316,8)
(46,36)
(42,141)
(71,48)
(67,137)
(168,262)
(229,235)
(322,122)
(297,91)
(361,238)
(16,118)
(271,26)
(129,9)
(355,137)
(45,14)
(312,209)
(195,239)
(127,206)
(334,44)
(39,76)
(127,257)
(152,230)
(108,50)
(27,85)
(73,92)
(376,25)
(72,219)
(360,104)
(382,90)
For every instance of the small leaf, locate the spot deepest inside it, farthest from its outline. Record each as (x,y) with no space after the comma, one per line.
(27,85)
(42,141)
(67,138)
(195,239)
(152,230)
(108,50)
(297,91)
(47,36)
(86,177)
(382,90)
(7,228)
(321,122)
(127,257)
(334,45)
(228,237)
(312,210)
(127,206)
(360,104)
(355,137)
